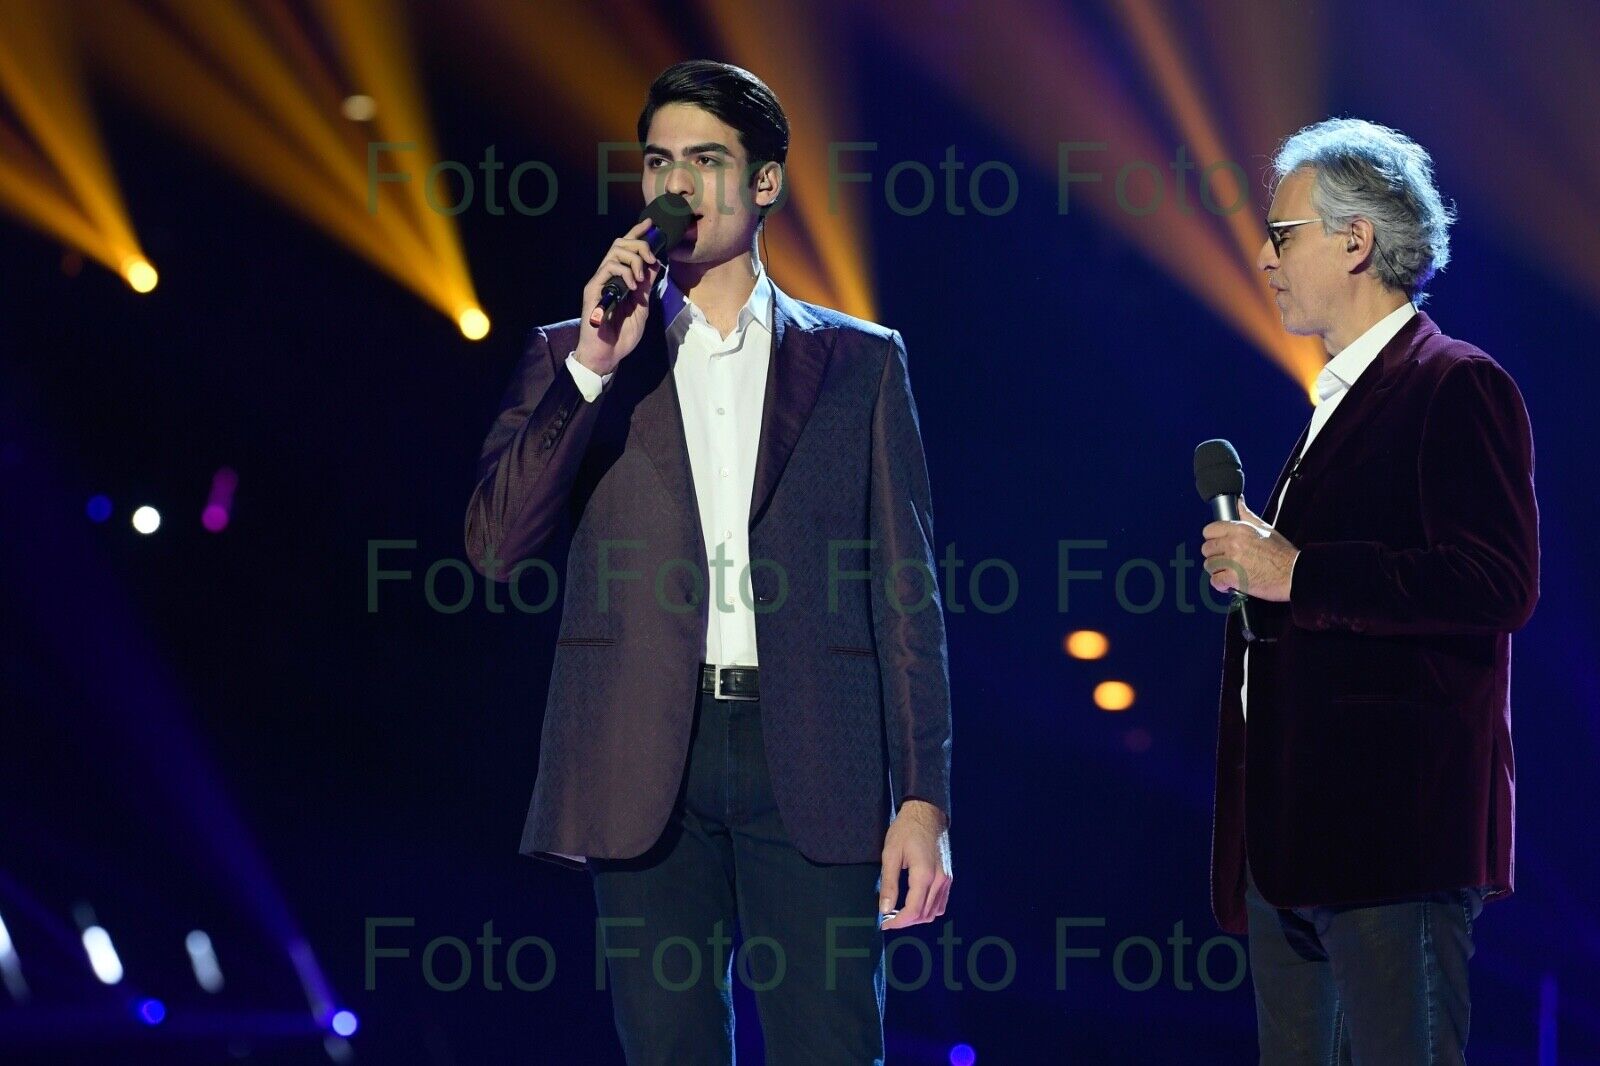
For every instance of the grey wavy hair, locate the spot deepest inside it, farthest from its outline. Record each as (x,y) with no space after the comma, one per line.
(1364,170)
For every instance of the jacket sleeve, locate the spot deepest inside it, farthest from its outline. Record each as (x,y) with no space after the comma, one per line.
(1479,571)
(909,629)
(528,463)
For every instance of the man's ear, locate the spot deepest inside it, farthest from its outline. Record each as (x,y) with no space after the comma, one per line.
(768,184)
(1360,241)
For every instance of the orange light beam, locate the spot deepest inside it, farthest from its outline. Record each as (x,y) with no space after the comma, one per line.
(79,203)
(1030,50)
(782,46)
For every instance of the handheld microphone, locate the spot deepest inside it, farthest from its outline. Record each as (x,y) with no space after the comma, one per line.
(1219,479)
(669,216)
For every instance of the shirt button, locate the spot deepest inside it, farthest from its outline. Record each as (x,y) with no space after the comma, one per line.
(722,411)
(727,534)
(724,471)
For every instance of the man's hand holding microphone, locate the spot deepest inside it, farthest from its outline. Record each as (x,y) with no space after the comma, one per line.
(616,300)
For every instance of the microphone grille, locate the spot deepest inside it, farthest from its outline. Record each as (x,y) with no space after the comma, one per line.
(670,214)
(1217,470)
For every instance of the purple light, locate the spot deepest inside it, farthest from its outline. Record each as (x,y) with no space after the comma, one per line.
(1137,740)
(963,1055)
(219,506)
(152,1011)
(99,508)
(345,1023)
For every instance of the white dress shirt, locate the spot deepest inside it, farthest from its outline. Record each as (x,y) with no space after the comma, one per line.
(1333,382)
(722,388)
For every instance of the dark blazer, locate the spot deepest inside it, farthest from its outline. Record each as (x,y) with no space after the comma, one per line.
(1379,762)
(855,701)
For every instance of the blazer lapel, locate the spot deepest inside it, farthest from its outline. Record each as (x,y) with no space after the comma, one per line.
(1368,395)
(795,372)
(1272,509)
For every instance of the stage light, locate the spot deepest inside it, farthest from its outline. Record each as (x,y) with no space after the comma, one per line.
(207,973)
(147,519)
(54,174)
(1086,644)
(254,92)
(140,275)
(1113,696)
(345,1023)
(99,508)
(11,966)
(152,1011)
(102,955)
(474,324)
(219,506)
(359,107)
(963,1055)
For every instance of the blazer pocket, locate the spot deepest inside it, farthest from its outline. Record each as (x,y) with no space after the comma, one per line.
(585,642)
(865,653)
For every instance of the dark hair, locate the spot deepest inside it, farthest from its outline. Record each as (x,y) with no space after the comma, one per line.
(731,93)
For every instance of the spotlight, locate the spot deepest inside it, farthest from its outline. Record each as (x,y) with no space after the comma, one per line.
(1086,644)
(474,324)
(11,966)
(147,519)
(204,960)
(345,1023)
(99,508)
(359,107)
(102,955)
(220,504)
(963,1055)
(1113,695)
(140,275)
(152,1011)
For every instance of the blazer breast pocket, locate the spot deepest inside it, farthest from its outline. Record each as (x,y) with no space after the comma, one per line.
(586,642)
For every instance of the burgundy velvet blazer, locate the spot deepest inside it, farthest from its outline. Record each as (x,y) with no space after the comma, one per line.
(1376,762)
(855,691)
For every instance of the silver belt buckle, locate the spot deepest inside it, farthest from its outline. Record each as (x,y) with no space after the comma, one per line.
(716,686)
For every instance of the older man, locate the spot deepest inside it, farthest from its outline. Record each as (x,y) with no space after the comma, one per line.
(1364,805)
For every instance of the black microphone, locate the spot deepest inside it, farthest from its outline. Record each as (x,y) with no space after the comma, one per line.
(1219,479)
(669,216)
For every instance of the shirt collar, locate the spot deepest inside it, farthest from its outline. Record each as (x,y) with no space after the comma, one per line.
(675,306)
(1343,369)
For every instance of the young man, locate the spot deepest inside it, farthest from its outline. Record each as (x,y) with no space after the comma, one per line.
(1369,815)
(736,709)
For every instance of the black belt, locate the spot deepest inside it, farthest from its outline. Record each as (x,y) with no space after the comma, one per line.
(731,682)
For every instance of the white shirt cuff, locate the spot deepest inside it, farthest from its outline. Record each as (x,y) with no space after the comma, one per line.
(589,383)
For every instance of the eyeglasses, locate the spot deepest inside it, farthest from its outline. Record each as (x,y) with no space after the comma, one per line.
(1275,231)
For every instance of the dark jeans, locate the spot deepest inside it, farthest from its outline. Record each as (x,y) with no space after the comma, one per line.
(725,860)
(1371,985)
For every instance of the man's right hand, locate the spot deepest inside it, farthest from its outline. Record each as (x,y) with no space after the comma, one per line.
(602,345)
